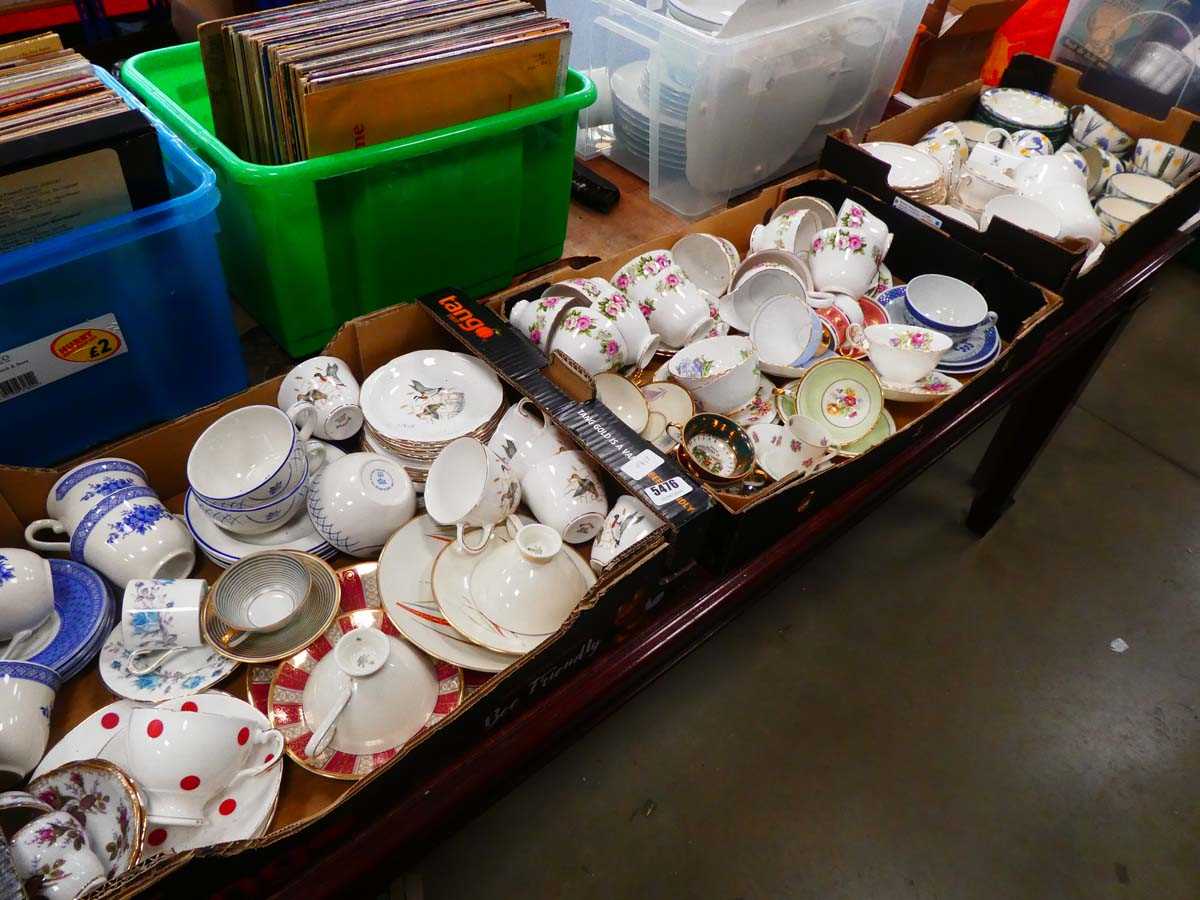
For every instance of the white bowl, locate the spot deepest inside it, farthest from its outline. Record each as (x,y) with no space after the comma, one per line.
(721,373)
(945,304)
(360,501)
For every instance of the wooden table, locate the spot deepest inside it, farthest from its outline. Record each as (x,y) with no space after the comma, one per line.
(349,851)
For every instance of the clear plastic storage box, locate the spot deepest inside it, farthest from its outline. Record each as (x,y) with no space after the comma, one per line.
(703,115)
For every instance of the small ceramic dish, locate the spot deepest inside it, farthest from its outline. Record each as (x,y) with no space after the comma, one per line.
(842,394)
(714,448)
(317,611)
(623,398)
(760,409)
(261,593)
(933,386)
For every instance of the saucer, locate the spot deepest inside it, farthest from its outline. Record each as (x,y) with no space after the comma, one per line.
(785,400)
(106,801)
(404,580)
(933,386)
(760,409)
(190,672)
(320,609)
(979,346)
(883,282)
(240,813)
(85,612)
(224,548)
(842,394)
(973,368)
(285,700)
(885,427)
(39,639)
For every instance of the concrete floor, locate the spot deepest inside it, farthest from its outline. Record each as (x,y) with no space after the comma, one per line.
(920,714)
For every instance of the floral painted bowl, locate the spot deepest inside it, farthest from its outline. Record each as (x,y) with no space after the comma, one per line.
(591,339)
(721,372)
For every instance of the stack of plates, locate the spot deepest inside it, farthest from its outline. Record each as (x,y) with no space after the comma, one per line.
(705,15)
(1013,109)
(418,403)
(914,173)
(632,115)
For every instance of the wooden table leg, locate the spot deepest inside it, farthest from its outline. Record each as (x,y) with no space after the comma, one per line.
(1030,423)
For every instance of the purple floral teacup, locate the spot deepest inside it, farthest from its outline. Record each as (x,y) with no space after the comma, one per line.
(53,858)
(845,260)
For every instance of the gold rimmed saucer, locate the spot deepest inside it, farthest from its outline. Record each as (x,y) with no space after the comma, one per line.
(320,609)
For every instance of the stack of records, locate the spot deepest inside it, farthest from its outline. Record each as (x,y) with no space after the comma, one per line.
(418,403)
(303,81)
(72,151)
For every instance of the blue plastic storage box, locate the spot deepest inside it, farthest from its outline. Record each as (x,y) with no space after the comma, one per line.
(173,348)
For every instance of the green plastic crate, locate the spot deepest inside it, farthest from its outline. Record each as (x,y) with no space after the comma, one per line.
(308,245)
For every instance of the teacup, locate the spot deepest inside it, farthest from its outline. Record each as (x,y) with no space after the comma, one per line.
(628,522)
(980,133)
(591,339)
(816,442)
(778,452)
(26,596)
(640,343)
(721,373)
(273,514)
(359,501)
(708,260)
(161,617)
(785,332)
(1166,162)
(854,215)
(524,436)
(469,486)
(714,448)
(638,279)
(1117,214)
(1090,128)
(27,692)
(1102,166)
(87,484)
(259,594)
(250,457)
(945,304)
(1027,142)
(793,232)
(129,534)
(565,492)
(991,162)
(846,334)
(950,134)
(538,319)
(976,188)
(623,399)
(184,759)
(679,311)
(1139,188)
(323,392)
(845,260)
(756,285)
(905,354)
(52,856)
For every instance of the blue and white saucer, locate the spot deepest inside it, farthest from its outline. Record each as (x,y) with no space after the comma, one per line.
(84,612)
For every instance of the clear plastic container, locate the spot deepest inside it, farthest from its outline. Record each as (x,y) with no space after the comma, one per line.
(704,116)
(155,273)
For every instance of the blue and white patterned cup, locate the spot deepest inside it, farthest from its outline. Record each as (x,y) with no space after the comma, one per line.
(27,693)
(87,484)
(1090,128)
(127,535)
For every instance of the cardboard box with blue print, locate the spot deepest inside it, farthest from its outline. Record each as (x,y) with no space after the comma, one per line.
(630,584)
(1057,264)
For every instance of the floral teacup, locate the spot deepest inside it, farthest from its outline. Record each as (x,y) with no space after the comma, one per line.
(640,342)
(638,279)
(52,857)
(845,260)
(679,311)
(949,134)
(160,618)
(1028,142)
(591,339)
(1091,129)
(537,319)
(1167,162)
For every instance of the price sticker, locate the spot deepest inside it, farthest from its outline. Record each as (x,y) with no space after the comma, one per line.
(665,491)
(642,465)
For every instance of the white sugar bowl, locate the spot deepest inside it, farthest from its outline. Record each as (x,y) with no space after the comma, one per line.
(531,584)
(359,501)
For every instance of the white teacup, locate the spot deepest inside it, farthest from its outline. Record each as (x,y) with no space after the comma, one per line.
(679,310)
(566,493)
(628,522)
(183,759)
(87,484)
(250,457)
(817,445)
(845,261)
(160,617)
(708,260)
(1139,188)
(721,373)
(469,486)
(854,215)
(359,501)
(988,160)
(127,535)
(268,516)
(793,232)
(54,850)
(946,304)
(27,693)
(26,596)
(976,188)
(640,343)
(905,353)
(524,436)
(980,133)
(322,392)
(538,319)
(1090,128)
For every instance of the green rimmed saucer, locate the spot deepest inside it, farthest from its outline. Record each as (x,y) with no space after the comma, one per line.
(885,427)
(844,395)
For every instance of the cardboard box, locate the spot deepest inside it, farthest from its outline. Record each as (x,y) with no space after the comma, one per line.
(1054,264)
(629,587)
(946,57)
(748,524)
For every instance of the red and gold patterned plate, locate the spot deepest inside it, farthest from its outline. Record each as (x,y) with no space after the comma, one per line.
(285,696)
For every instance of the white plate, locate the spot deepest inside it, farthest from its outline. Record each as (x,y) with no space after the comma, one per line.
(626,83)
(87,739)
(910,167)
(1028,108)
(430,396)
(188,673)
(405,568)
(933,386)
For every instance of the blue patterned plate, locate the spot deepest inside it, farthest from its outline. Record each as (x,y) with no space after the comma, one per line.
(85,610)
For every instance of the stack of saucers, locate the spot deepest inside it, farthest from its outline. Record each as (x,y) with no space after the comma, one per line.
(1014,109)
(418,403)
(914,173)
(71,636)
